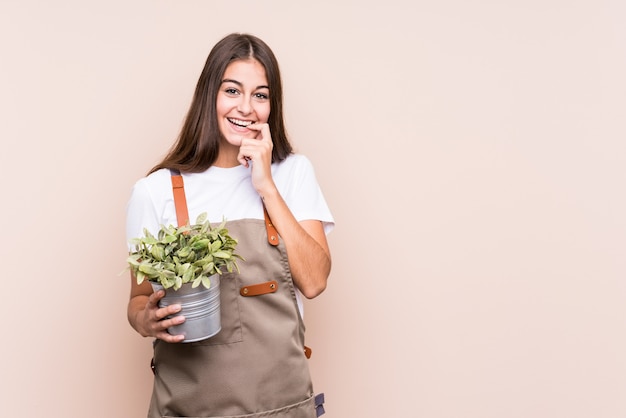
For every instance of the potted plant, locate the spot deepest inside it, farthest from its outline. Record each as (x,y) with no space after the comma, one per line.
(180,260)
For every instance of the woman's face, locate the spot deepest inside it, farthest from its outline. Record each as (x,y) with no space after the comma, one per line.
(243,99)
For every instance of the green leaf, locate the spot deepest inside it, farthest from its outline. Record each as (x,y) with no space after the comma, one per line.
(201,218)
(147,269)
(206,281)
(209,268)
(170,238)
(201,244)
(168,274)
(184,253)
(215,246)
(182,268)
(203,261)
(188,275)
(222,254)
(133,260)
(140,277)
(150,240)
(157,252)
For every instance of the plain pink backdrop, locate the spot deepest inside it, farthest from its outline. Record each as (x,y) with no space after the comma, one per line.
(473,154)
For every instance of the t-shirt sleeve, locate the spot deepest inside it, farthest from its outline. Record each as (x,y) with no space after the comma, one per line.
(305,198)
(140,213)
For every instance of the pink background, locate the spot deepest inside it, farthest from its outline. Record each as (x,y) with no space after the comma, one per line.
(473,153)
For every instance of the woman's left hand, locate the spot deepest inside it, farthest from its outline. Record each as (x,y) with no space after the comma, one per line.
(259,151)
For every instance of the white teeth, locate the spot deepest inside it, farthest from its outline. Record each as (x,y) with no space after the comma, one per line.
(243,123)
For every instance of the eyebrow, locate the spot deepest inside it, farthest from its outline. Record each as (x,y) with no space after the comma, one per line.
(228,80)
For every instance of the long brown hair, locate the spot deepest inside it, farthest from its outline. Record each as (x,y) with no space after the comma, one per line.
(197,146)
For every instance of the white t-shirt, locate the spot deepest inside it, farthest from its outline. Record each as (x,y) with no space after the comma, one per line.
(226,193)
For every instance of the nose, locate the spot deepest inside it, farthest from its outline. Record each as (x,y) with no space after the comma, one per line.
(244,106)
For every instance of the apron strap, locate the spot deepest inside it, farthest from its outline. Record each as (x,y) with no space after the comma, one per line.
(272,234)
(182,213)
(180,201)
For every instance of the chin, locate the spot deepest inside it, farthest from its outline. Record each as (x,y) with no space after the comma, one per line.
(234,140)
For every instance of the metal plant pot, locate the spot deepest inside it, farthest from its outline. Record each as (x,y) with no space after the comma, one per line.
(200,306)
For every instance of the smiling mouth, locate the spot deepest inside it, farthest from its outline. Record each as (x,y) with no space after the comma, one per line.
(240,123)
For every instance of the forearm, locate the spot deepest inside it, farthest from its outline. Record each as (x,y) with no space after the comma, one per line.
(310,265)
(136,305)
(307,249)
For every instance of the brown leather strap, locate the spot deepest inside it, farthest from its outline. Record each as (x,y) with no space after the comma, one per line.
(259,289)
(272,233)
(178,188)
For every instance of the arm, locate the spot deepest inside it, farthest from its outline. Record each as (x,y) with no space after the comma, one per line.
(143,312)
(307,247)
(306,244)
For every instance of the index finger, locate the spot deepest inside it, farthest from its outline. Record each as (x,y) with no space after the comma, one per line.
(154,298)
(263,128)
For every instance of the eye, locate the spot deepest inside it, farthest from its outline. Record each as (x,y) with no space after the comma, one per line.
(261,96)
(231,90)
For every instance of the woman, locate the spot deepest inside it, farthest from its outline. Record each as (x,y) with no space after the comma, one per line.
(237,164)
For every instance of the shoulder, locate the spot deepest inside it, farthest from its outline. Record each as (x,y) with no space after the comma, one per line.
(156,178)
(296,160)
(296,178)
(294,163)
(153,184)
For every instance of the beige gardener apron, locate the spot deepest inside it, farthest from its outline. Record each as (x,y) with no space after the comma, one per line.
(256,365)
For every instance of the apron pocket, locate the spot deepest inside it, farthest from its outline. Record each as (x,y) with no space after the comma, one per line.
(230,313)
